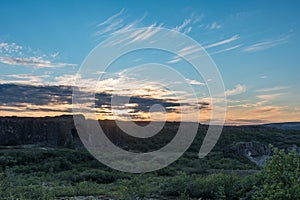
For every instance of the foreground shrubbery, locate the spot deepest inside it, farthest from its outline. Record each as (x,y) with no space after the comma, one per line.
(280,178)
(37,174)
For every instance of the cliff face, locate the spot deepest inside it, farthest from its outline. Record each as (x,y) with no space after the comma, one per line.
(256,152)
(50,131)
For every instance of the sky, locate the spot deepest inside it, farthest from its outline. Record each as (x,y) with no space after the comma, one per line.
(254,44)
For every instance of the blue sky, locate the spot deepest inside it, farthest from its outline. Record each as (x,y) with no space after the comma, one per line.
(255,45)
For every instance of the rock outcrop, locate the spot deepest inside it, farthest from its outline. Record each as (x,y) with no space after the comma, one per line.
(45,131)
(256,152)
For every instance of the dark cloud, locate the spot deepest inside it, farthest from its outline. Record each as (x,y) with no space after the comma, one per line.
(13,95)
(20,96)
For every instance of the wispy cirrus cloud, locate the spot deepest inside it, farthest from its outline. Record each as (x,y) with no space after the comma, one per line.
(38,62)
(111,24)
(176,59)
(188,30)
(193,51)
(190,51)
(196,17)
(117,23)
(112,18)
(267,44)
(273,89)
(270,96)
(223,42)
(145,34)
(189,24)
(227,49)
(183,25)
(120,22)
(213,26)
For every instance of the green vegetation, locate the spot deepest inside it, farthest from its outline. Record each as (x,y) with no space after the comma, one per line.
(48,174)
(52,173)
(280,178)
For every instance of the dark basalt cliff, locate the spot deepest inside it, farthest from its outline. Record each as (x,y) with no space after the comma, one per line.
(60,131)
(49,131)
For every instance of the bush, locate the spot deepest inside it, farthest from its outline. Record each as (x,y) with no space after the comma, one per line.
(57,165)
(216,186)
(98,176)
(10,192)
(138,187)
(280,178)
(177,185)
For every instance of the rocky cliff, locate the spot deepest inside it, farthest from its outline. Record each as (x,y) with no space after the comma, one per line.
(49,131)
(256,152)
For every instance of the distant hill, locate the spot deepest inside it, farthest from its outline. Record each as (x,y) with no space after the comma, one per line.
(284,125)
